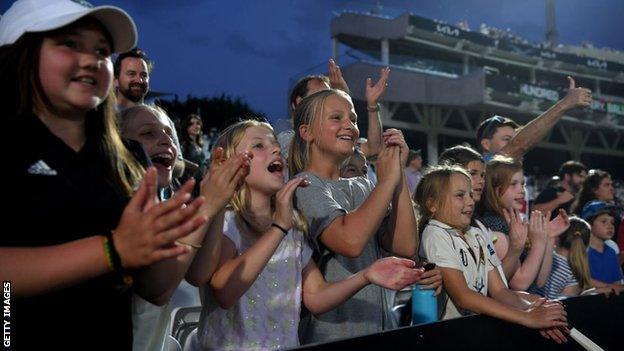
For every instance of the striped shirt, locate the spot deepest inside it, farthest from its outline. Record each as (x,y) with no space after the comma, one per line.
(560,277)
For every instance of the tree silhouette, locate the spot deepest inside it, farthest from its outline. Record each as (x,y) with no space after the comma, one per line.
(215,112)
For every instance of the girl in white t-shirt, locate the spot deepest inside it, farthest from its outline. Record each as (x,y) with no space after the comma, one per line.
(253,300)
(445,202)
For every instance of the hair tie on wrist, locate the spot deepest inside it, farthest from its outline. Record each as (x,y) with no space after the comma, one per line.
(280,228)
(193,246)
(373,108)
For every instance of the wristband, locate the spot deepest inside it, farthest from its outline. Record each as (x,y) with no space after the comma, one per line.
(284,231)
(113,261)
(373,108)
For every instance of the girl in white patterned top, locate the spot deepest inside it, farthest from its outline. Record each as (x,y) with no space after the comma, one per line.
(253,300)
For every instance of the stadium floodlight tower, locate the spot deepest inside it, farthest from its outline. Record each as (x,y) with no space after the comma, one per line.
(551,26)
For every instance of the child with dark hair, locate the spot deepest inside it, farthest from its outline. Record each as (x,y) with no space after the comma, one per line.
(603,263)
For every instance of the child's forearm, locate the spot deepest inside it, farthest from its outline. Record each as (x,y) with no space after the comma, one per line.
(325,296)
(402,236)
(546,267)
(165,276)
(206,259)
(234,277)
(348,235)
(528,270)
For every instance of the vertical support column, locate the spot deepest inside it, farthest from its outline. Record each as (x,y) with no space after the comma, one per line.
(466,61)
(597,90)
(532,75)
(334,47)
(434,115)
(432,148)
(385,51)
(576,144)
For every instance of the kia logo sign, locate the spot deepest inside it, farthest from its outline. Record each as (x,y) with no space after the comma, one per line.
(454,32)
(597,64)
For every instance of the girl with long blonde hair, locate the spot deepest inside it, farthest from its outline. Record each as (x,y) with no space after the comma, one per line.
(265,274)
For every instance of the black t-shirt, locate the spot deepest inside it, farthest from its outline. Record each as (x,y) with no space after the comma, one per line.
(550,194)
(56,195)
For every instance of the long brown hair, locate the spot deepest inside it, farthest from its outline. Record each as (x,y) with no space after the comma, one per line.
(432,190)
(229,140)
(20,86)
(576,240)
(498,174)
(588,189)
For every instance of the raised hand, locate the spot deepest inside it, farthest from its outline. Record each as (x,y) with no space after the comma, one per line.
(389,167)
(545,314)
(145,236)
(393,273)
(559,224)
(518,230)
(223,178)
(576,96)
(283,215)
(394,137)
(538,227)
(336,80)
(374,92)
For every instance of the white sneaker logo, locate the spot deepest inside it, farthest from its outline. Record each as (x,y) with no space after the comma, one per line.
(42,168)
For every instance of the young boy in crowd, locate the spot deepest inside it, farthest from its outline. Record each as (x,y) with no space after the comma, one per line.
(603,263)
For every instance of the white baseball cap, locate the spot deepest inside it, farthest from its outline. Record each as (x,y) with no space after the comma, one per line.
(26,16)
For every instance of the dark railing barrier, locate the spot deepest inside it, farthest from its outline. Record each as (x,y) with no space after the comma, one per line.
(599,318)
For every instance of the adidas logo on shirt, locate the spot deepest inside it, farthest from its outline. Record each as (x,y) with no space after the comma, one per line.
(41,168)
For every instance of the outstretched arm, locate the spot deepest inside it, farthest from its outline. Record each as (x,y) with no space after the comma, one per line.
(540,315)
(320,296)
(537,129)
(143,236)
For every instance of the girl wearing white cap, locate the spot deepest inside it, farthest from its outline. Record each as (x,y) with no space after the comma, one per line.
(77,240)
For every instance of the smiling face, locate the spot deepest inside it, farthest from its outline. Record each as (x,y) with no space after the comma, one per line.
(133,80)
(458,205)
(75,69)
(194,127)
(477,174)
(153,131)
(266,172)
(336,129)
(513,196)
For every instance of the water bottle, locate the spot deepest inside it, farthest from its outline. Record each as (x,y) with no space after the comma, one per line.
(424,305)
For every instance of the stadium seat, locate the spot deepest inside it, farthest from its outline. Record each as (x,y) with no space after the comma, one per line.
(183,321)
